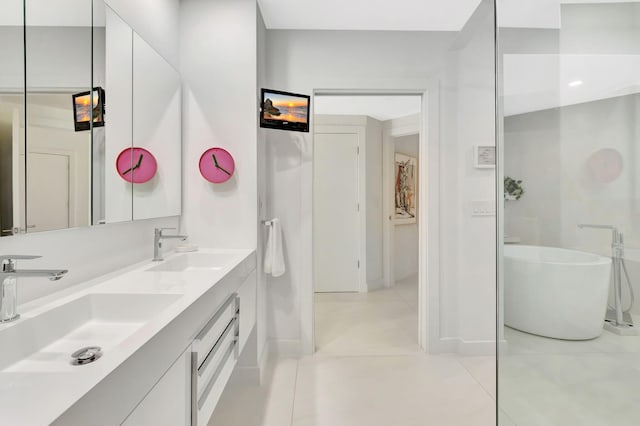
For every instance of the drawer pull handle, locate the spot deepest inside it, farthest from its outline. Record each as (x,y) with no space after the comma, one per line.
(221,310)
(213,380)
(212,353)
(197,371)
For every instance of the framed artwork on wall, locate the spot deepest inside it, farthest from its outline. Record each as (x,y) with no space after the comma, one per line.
(406,194)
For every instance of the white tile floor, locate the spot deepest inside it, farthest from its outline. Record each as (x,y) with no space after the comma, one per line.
(368,371)
(548,382)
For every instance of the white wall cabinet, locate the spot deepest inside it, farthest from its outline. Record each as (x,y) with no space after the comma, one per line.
(167,404)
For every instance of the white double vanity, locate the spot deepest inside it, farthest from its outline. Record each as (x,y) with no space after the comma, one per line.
(169,336)
(91,105)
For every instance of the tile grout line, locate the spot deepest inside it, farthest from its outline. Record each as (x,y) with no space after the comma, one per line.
(295,389)
(476,379)
(394,288)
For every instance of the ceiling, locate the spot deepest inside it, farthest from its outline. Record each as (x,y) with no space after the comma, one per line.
(381,108)
(397,15)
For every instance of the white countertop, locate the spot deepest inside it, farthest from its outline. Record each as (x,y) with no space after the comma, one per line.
(41,393)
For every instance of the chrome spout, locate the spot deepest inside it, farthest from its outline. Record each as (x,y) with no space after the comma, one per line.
(51,274)
(157,242)
(8,278)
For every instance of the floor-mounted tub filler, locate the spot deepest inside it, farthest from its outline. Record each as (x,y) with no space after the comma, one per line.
(555,292)
(618,319)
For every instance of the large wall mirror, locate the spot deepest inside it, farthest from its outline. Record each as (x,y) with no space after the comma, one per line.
(90,119)
(12,115)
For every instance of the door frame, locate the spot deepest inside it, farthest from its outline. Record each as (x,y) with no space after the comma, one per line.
(428,221)
(362,204)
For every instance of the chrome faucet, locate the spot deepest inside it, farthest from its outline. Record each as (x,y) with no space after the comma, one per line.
(9,275)
(157,242)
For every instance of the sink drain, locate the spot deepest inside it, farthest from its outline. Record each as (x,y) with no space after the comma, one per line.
(86,355)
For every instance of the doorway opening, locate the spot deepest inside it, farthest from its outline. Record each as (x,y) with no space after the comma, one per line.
(366,227)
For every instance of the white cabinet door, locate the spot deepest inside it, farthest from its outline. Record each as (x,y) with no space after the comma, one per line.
(169,402)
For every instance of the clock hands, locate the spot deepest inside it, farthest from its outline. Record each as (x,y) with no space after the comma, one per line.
(134,167)
(215,161)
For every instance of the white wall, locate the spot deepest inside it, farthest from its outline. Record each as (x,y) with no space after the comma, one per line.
(301,61)
(89,252)
(468,244)
(405,244)
(262,197)
(219,50)
(219,64)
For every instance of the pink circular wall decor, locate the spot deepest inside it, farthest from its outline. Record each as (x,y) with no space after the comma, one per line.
(136,165)
(217,165)
(605,165)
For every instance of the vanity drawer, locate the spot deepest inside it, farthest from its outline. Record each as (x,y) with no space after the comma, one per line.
(215,328)
(206,394)
(211,369)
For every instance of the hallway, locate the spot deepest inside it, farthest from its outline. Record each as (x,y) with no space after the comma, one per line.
(368,371)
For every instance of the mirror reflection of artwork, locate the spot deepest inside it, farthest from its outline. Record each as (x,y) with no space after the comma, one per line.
(87,105)
(405,189)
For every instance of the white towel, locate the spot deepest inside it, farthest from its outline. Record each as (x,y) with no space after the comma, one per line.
(273,256)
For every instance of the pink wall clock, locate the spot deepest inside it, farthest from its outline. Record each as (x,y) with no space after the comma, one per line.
(217,165)
(136,165)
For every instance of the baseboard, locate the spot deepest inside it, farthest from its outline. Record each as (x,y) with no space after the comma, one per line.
(263,360)
(476,347)
(445,345)
(285,348)
(376,284)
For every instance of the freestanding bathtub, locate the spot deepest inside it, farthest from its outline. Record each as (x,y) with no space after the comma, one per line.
(555,292)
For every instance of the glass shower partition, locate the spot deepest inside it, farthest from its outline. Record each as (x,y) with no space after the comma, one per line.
(569,78)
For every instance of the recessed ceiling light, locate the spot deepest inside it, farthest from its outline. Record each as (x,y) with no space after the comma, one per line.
(575,83)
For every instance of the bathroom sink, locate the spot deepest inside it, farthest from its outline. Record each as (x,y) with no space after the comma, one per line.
(194,261)
(46,341)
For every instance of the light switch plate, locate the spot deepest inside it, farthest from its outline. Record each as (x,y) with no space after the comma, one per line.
(484,157)
(483,208)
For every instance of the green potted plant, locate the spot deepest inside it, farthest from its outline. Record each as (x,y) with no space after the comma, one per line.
(512,189)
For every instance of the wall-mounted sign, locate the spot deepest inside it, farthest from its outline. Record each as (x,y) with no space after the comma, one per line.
(217,165)
(485,157)
(136,165)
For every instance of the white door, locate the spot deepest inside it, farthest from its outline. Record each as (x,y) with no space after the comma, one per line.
(336,221)
(47,192)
